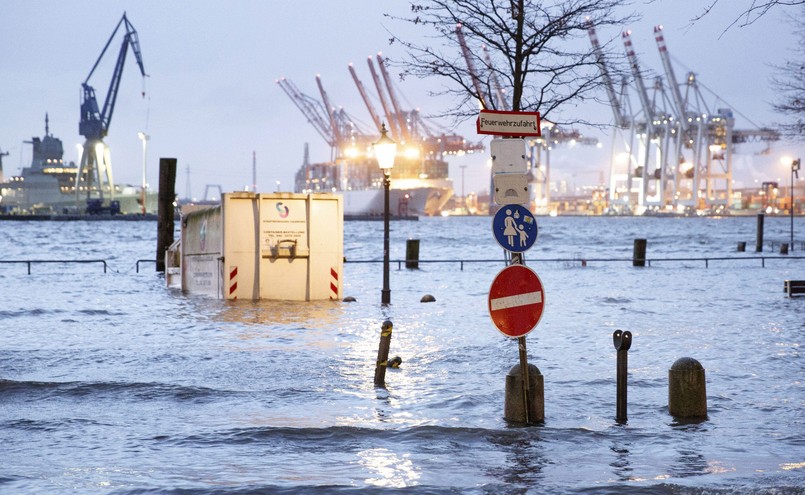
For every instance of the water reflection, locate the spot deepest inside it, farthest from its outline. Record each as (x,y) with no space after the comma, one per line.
(295,313)
(525,457)
(388,469)
(621,465)
(688,463)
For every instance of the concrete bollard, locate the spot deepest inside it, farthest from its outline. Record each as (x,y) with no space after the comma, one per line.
(687,394)
(514,406)
(784,248)
(759,239)
(412,253)
(639,256)
(383,353)
(741,247)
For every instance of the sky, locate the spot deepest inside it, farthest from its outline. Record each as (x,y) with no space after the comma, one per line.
(211,99)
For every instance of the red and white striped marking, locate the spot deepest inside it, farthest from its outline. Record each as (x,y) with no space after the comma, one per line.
(233,282)
(333,283)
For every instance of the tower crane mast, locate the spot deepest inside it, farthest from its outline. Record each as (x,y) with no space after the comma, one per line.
(337,137)
(642,93)
(381,94)
(365,97)
(617,109)
(310,108)
(401,121)
(476,82)
(676,94)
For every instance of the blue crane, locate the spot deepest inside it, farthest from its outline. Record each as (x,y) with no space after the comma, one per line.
(95,172)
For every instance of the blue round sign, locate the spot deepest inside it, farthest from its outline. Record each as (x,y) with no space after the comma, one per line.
(515,228)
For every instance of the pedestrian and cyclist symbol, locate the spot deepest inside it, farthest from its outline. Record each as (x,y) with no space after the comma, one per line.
(515,228)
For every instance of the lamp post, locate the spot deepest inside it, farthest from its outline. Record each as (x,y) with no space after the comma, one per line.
(144,138)
(385,149)
(794,171)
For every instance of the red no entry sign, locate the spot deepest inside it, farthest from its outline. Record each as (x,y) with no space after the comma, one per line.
(516,300)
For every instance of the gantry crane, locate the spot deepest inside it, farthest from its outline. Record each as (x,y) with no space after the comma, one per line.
(652,132)
(95,170)
(621,171)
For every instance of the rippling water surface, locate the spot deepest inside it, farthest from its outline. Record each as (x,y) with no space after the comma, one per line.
(111,383)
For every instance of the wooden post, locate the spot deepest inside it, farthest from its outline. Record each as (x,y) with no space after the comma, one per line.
(759,241)
(412,253)
(167,194)
(383,354)
(622,341)
(639,255)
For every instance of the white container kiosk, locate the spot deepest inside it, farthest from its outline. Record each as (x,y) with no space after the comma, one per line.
(280,246)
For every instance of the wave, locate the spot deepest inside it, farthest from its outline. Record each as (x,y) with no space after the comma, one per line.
(140,391)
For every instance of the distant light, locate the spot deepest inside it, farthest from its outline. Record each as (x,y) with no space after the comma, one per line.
(411,152)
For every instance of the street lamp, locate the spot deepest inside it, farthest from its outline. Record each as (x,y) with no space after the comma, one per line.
(144,138)
(794,171)
(385,149)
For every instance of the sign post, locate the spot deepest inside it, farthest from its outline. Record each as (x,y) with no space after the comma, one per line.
(516,296)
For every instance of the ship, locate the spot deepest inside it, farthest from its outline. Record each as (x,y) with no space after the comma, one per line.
(417,187)
(48,187)
(419,180)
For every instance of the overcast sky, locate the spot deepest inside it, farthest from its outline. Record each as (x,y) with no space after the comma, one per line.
(211,97)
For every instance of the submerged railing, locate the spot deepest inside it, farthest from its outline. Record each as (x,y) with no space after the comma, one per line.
(586,261)
(577,261)
(30,262)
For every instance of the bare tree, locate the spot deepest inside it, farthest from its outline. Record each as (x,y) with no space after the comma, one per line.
(789,85)
(521,55)
(754,10)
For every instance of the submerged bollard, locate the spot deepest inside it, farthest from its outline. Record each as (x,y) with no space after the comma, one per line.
(687,395)
(412,253)
(514,405)
(639,256)
(622,341)
(383,353)
(741,247)
(759,241)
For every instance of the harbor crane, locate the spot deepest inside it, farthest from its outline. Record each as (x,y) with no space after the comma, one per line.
(675,159)
(95,170)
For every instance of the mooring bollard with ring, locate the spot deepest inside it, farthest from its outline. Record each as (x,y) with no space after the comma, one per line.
(622,341)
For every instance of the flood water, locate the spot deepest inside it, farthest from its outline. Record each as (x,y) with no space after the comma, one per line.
(111,383)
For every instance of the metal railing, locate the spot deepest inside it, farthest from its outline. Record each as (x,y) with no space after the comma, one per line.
(461,262)
(587,261)
(30,262)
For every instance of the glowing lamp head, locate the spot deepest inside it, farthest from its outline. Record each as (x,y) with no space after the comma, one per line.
(385,150)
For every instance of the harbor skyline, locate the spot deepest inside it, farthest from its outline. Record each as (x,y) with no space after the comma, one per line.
(211,100)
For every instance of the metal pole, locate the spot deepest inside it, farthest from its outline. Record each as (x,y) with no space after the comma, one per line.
(517,259)
(144,137)
(794,169)
(622,342)
(525,372)
(385,294)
